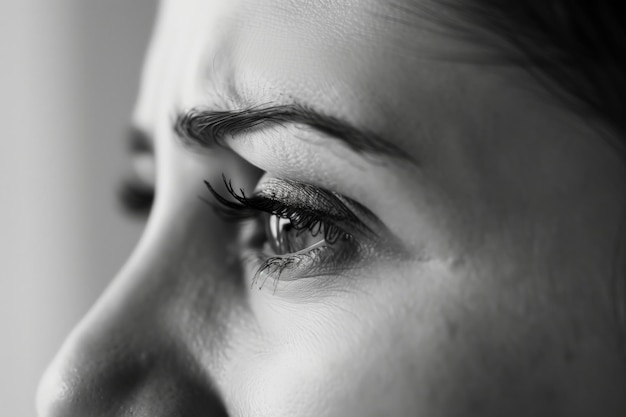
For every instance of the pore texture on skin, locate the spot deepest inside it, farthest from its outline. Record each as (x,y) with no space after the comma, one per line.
(463,273)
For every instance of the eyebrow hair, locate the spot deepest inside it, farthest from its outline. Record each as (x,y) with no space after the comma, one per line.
(205,128)
(138,141)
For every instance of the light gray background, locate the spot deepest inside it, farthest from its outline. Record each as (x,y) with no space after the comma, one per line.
(69,72)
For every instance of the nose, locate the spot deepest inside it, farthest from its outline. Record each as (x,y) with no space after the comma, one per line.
(138,352)
(92,378)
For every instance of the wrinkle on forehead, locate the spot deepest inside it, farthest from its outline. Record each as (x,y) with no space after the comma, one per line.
(337,25)
(186,32)
(353,58)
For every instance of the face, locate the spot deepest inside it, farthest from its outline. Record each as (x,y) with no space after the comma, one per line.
(421,231)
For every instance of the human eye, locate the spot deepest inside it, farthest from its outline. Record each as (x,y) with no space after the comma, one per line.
(135,198)
(296,230)
(136,191)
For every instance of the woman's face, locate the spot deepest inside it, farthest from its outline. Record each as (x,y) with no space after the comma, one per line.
(446,245)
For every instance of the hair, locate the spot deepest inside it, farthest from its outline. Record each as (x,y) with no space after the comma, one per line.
(579,47)
(578,51)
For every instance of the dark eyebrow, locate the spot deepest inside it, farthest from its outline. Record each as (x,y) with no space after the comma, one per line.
(208,127)
(139,141)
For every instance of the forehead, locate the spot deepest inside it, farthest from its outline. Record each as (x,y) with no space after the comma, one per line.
(365,61)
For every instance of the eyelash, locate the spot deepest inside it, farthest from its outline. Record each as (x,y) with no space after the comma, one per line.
(246,208)
(302,219)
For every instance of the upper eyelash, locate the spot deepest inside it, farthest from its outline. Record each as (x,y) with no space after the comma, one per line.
(246,207)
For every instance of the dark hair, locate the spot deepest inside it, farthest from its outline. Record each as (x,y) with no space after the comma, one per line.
(578,50)
(578,47)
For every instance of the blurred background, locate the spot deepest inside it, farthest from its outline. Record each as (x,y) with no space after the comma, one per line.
(68,76)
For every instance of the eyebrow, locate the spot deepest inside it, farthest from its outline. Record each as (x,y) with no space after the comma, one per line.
(138,141)
(206,128)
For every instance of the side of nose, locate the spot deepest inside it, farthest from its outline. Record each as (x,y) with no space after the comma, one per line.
(133,354)
(109,380)
(111,383)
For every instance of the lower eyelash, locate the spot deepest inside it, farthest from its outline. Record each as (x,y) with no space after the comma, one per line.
(337,249)
(274,267)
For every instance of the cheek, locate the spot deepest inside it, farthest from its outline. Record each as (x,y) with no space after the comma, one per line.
(362,352)
(423,339)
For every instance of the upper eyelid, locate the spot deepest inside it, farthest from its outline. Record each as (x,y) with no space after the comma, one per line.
(343,214)
(363,224)
(372,227)
(335,206)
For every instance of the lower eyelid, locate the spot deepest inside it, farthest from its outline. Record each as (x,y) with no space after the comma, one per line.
(323,260)
(274,269)
(333,258)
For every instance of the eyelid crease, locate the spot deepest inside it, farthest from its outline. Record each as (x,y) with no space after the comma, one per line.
(291,198)
(307,196)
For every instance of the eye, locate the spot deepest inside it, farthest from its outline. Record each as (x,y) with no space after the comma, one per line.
(135,198)
(136,194)
(284,238)
(300,230)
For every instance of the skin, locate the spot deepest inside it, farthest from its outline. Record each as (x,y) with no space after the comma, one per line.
(495,300)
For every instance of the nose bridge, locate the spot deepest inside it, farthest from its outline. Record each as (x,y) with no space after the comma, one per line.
(187,37)
(150,344)
(133,350)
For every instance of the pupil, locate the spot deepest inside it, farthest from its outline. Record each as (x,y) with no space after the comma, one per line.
(278,234)
(286,226)
(284,238)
